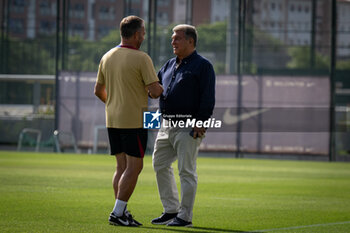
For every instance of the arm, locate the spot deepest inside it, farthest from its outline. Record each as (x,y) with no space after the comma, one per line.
(207,93)
(100,87)
(207,98)
(154,90)
(100,92)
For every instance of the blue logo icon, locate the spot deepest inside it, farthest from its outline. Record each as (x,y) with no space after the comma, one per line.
(151,120)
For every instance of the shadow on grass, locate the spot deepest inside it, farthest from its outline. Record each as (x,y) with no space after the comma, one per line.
(211,229)
(197,229)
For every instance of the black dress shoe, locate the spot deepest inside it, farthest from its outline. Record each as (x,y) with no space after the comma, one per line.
(164,219)
(178,222)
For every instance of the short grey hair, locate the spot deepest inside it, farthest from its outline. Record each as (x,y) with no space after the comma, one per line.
(189,30)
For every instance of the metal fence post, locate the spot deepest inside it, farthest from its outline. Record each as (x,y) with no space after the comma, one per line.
(332,122)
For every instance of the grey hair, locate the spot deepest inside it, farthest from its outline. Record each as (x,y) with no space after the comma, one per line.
(189,30)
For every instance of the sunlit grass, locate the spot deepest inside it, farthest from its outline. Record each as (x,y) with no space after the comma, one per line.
(73,193)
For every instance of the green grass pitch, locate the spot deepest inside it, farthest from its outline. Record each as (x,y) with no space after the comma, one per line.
(72,193)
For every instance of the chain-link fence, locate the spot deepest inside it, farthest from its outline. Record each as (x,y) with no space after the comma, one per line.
(290,54)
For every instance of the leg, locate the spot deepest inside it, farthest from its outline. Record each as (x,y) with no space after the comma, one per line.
(129,177)
(114,136)
(126,186)
(120,168)
(167,188)
(163,156)
(127,170)
(187,150)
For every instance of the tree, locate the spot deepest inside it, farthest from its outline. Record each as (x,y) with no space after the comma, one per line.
(30,56)
(85,55)
(300,59)
(212,37)
(343,65)
(212,43)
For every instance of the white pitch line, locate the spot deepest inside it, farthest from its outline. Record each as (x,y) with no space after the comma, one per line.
(299,227)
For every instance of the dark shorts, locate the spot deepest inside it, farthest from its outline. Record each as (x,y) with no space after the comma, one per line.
(131,141)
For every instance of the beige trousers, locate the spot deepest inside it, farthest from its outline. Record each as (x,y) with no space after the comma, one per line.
(171,144)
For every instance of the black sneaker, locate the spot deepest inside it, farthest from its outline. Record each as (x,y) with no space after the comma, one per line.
(164,219)
(131,218)
(120,221)
(178,222)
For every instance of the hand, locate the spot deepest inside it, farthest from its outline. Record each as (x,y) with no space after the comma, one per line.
(198,132)
(154,90)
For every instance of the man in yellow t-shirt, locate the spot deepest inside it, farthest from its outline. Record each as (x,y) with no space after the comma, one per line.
(125,77)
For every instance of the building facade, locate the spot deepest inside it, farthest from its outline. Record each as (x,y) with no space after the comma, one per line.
(289,21)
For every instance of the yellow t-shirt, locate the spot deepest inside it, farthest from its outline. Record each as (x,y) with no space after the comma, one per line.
(126,72)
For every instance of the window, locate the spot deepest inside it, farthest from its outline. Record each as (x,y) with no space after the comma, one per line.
(265,5)
(47,27)
(77,11)
(163,2)
(103,31)
(44,8)
(307,9)
(292,7)
(135,11)
(17,6)
(77,30)
(16,26)
(273,5)
(108,13)
(163,18)
(307,26)
(299,8)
